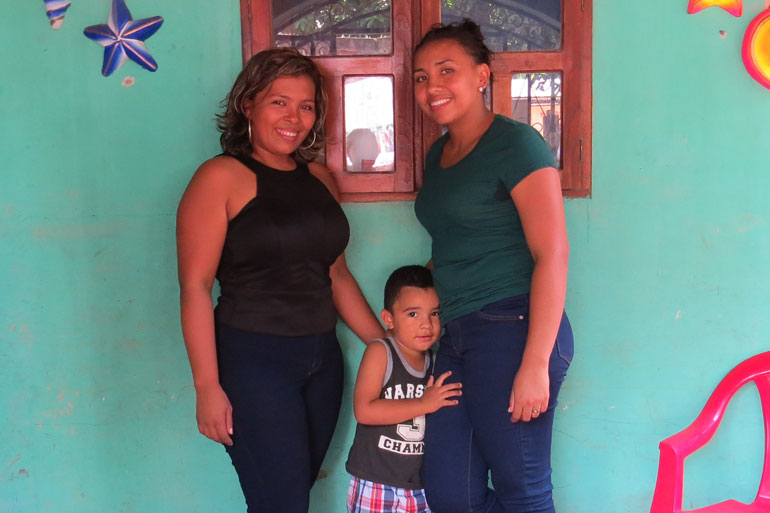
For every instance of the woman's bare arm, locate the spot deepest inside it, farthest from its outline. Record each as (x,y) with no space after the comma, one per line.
(541,209)
(201,228)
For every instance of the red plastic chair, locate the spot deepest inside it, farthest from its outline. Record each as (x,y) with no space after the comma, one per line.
(673,450)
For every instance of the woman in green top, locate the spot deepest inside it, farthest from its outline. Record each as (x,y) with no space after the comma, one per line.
(491,201)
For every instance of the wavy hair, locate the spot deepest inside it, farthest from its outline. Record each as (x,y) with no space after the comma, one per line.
(261,71)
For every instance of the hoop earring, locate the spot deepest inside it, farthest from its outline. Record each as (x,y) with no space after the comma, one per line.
(311,142)
(249,125)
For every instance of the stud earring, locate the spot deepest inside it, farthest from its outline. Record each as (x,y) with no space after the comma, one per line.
(481,89)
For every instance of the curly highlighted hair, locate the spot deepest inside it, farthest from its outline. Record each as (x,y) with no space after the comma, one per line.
(261,71)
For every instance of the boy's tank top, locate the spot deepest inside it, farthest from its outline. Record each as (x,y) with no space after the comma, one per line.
(392,454)
(274,268)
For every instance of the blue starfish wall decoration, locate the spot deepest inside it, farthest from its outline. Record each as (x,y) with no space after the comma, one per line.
(122,38)
(55,10)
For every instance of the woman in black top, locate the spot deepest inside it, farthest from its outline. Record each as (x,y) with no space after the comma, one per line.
(266,362)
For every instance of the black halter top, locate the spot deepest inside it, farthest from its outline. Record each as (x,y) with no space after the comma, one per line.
(274,269)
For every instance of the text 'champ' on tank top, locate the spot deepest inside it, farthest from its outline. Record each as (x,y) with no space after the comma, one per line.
(274,269)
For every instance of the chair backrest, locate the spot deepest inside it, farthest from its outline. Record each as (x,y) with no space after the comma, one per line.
(673,450)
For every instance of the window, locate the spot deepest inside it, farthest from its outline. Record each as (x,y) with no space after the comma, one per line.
(377,137)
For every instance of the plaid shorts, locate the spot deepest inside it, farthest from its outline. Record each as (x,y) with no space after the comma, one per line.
(368,497)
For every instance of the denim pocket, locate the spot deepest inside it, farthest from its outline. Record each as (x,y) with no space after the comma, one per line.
(514,308)
(565,344)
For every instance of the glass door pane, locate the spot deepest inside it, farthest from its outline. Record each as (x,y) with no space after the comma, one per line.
(369,131)
(511,25)
(536,100)
(334,28)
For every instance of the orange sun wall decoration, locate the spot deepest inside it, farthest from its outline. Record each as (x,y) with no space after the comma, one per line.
(756,48)
(734,7)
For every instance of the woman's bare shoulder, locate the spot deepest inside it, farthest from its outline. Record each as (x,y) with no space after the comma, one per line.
(215,180)
(220,172)
(220,166)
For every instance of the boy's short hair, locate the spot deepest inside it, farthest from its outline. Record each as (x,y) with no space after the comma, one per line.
(408,276)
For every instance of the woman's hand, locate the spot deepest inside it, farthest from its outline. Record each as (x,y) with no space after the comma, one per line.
(214,414)
(530,392)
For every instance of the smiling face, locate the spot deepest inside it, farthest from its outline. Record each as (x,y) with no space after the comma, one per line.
(414,320)
(281,117)
(447,81)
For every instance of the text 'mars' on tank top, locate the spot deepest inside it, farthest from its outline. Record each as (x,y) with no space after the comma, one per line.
(274,269)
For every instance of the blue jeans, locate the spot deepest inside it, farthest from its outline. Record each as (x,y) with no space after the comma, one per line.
(286,394)
(467,442)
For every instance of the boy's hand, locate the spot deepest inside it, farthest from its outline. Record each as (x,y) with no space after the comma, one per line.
(437,394)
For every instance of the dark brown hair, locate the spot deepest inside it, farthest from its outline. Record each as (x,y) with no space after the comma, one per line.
(408,276)
(261,71)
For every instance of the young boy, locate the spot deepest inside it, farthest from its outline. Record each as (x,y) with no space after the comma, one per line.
(394,390)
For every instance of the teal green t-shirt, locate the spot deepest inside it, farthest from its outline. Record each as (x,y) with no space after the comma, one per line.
(479,251)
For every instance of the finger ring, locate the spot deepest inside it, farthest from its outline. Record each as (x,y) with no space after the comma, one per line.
(535,412)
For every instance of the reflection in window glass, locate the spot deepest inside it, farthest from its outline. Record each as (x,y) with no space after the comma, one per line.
(511,25)
(369,136)
(341,27)
(536,99)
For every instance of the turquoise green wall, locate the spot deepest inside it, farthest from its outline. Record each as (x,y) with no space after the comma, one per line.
(668,284)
